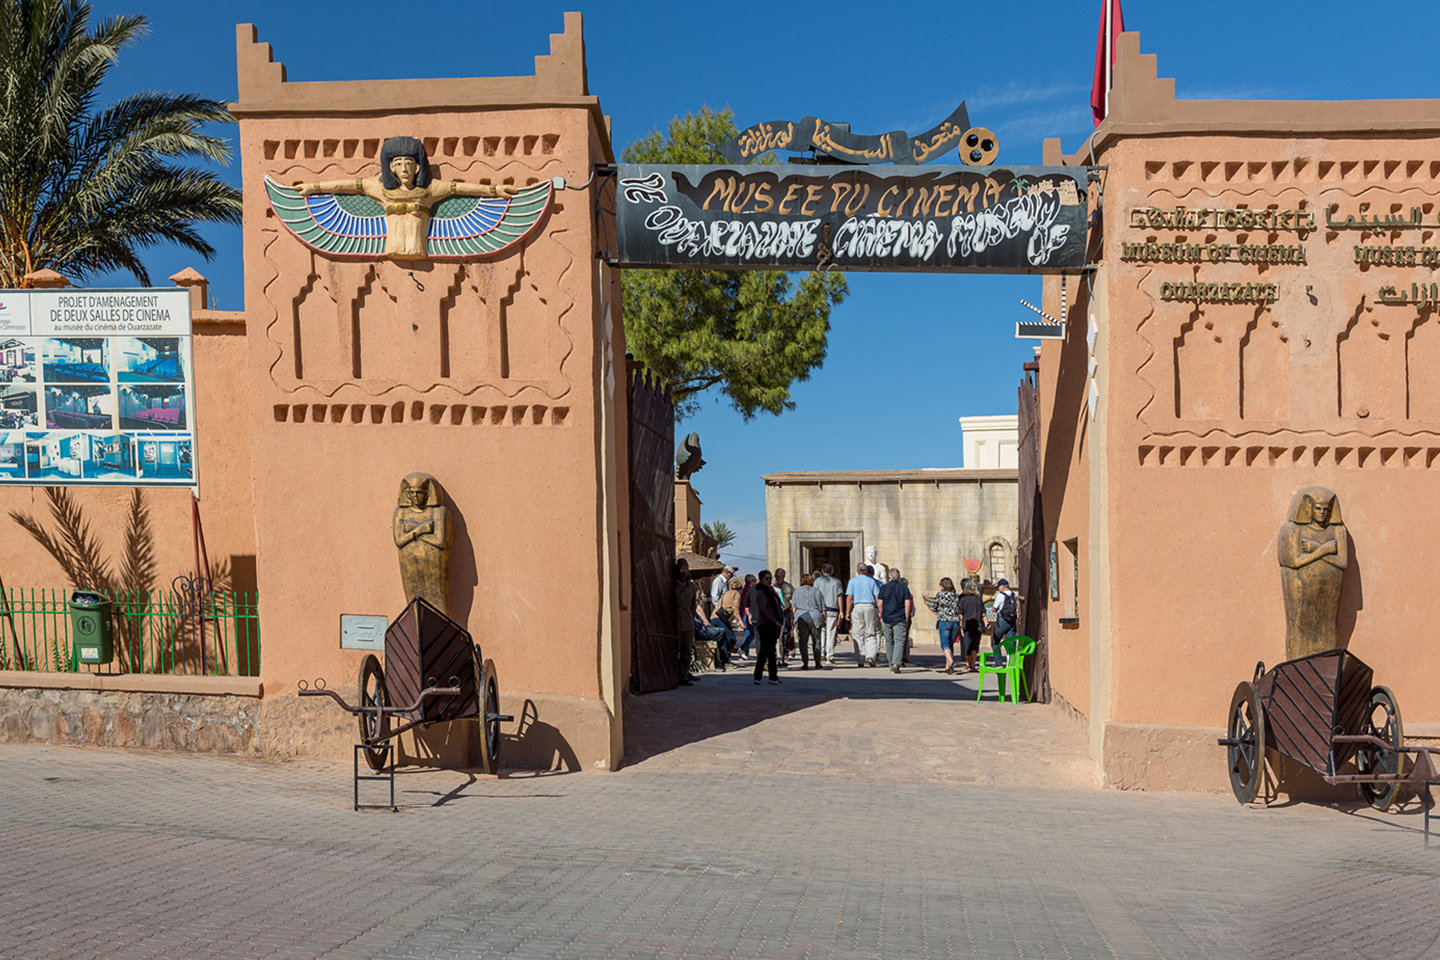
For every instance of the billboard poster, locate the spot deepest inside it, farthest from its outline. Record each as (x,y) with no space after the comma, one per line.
(791,217)
(96,388)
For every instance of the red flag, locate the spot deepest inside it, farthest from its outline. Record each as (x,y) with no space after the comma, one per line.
(1112,24)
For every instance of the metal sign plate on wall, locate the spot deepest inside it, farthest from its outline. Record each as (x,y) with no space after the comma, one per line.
(361,632)
(758,217)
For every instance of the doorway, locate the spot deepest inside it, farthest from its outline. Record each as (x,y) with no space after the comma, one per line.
(816,555)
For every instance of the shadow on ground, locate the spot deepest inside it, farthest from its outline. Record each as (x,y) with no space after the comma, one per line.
(727,703)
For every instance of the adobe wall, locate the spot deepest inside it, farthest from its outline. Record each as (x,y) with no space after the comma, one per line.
(491,375)
(1283,369)
(496,375)
(1067,450)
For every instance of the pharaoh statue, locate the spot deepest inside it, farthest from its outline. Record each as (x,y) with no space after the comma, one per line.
(1314,551)
(422,532)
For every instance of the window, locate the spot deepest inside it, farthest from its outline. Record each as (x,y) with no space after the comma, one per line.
(1072,606)
(997,562)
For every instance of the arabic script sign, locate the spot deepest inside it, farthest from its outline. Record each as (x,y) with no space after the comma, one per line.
(991,219)
(975,146)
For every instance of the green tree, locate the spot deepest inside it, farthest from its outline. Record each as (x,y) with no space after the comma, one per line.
(720,532)
(82,189)
(752,333)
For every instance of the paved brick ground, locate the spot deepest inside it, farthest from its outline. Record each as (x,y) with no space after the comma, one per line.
(799,825)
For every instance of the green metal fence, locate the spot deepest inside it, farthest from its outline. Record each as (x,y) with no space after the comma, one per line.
(156,631)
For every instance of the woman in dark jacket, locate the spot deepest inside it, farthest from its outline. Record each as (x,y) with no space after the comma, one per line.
(766,618)
(972,621)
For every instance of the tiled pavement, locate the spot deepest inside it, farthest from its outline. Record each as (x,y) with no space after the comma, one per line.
(842,815)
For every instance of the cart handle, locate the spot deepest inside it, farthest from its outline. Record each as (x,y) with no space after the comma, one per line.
(319,691)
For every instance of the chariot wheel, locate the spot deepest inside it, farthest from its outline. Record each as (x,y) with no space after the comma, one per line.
(374,727)
(1245,753)
(487,690)
(1382,720)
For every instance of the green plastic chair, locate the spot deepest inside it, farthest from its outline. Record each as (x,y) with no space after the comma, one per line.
(1016,650)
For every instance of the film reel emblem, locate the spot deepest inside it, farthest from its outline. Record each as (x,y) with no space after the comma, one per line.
(978,147)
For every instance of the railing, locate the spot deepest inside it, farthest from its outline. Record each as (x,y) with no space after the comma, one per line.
(178,631)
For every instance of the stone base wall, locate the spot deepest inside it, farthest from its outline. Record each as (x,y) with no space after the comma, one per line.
(291,726)
(1145,756)
(206,715)
(108,718)
(1152,756)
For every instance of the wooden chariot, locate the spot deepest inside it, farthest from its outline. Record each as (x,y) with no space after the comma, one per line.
(434,672)
(1324,712)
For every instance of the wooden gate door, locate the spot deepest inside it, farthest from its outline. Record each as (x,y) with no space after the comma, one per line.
(1033,561)
(654,640)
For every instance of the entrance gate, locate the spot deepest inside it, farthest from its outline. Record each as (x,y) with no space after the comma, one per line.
(1032,562)
(654,639)
(835,209)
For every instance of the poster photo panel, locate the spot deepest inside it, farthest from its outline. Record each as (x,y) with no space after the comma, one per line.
(96,387)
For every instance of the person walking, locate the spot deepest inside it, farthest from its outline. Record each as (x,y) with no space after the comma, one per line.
(909,628)
(765,616)
(895,606)
(1007,612)
(785,590)
(972,622)
(685,603)
(946,605)
(749,624)
(808,608)
(831,590)
(860,596)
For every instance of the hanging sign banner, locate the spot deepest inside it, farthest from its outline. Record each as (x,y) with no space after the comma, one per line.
(771,217)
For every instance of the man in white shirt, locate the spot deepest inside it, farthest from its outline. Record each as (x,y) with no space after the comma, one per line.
(1006,602)
(719,585)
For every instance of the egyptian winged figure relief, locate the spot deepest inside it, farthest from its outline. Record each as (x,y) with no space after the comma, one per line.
(404,214)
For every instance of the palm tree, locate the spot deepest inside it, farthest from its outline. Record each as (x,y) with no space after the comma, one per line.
(82,189)
(720,533)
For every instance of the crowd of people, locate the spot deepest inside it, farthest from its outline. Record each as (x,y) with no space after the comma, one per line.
(771,620)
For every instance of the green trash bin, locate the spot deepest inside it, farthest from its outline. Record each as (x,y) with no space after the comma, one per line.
(91,633)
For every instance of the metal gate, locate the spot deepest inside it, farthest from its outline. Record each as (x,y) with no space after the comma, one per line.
(1033,560)
(654,640)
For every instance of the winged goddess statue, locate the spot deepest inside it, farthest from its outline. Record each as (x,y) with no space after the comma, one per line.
(405,215)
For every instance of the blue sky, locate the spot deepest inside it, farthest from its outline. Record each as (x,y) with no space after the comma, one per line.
(909,353)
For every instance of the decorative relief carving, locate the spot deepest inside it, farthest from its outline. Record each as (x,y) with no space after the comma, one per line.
(441,148)
(496,325)
(1264,370)
(1366,361)
(1223,450)
(1422,368)
(1306,374)
(1203,391)
(1298,170)
(419,411)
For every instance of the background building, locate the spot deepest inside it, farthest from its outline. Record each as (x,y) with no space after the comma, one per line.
(926,522)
